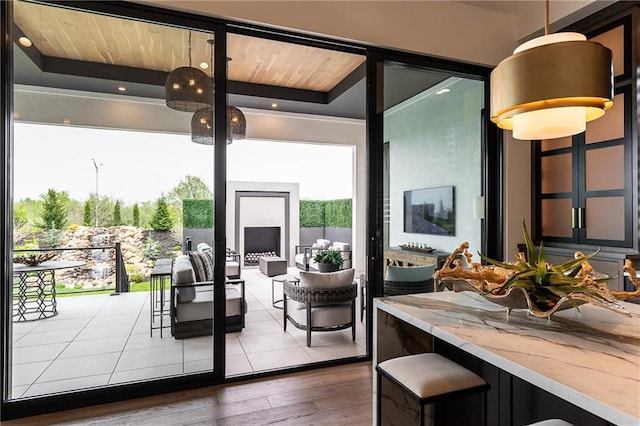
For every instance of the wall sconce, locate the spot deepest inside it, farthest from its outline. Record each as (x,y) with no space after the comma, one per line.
(478,207)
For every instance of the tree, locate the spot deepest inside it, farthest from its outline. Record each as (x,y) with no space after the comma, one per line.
(189,187)
(136,215)
(161,219)
(87,219)
(117,218)
(54,212)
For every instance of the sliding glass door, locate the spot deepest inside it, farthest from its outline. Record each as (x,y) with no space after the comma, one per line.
(112,170)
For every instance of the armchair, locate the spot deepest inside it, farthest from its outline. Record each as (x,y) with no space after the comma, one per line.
(321,302)
(408,279)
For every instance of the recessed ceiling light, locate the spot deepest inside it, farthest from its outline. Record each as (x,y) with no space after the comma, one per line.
(66,121)
(204,65)
(441,91)
(274,105)
(25,41)
(122,88)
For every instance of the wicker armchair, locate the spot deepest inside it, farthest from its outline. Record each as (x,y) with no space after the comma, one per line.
(309,305)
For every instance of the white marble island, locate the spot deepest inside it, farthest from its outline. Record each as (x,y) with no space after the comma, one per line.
(591,358)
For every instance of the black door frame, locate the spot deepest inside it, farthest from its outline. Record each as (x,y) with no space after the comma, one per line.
(491,152)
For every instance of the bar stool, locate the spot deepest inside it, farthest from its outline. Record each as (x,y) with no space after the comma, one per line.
(430,377)
(551,422)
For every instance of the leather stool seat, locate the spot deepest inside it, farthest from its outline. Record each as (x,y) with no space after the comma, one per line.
(428,377)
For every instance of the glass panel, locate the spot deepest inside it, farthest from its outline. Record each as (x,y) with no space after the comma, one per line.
(549,144)
(296,179)
(609,127)
(556,217)
(604,168)
(604,218)
(101,171)
(434,149)
(614,40)
(556,173)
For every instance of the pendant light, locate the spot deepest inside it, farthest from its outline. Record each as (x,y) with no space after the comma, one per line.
(202,121)
(552,86)
(187,88)
(202,126)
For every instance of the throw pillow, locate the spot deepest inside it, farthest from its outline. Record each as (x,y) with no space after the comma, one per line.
(202,268)
(327,279)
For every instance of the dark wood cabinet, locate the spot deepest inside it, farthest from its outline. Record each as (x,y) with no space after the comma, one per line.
(586,186)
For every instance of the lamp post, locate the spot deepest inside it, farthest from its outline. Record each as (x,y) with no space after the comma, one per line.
(95,212)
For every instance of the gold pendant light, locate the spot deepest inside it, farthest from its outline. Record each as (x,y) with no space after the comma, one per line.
(552,86)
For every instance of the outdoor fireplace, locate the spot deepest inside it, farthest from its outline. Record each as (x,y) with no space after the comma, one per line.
(260,241)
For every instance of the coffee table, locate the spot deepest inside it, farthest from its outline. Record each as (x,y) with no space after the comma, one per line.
(280,279)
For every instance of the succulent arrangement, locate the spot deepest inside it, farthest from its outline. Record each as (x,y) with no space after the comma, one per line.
(545,286)
(333,257)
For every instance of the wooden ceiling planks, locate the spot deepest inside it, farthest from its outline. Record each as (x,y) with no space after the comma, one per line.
(69,34)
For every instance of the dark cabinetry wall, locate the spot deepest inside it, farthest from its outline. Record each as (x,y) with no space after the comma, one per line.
(586,187)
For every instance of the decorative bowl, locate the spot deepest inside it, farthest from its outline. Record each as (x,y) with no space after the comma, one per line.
(518,298)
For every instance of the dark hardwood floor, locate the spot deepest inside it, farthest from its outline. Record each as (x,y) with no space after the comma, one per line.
(329,396)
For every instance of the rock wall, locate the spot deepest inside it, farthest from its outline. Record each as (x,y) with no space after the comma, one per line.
(99,271)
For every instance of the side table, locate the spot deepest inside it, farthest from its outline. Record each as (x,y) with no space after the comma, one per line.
(160,275)
(280,279)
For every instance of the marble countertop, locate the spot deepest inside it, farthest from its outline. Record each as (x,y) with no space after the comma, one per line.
(589,358)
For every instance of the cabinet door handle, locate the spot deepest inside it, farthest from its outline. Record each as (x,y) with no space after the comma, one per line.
(573,217)
(580,217)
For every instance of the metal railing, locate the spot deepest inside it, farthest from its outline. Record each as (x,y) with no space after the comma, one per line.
(122,279)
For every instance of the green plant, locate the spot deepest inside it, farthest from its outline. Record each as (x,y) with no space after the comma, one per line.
(73,227)
(161,219)
(54,211)
(87,219)
(136,215)
(329,256)
(547,284)
(337,213)
(117,216)
(134,273)
(52,238)
(151,248)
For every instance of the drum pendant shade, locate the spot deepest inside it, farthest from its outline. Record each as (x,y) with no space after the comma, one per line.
(552,86)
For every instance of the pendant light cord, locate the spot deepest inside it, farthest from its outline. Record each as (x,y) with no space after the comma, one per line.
(546,17)
(190,47)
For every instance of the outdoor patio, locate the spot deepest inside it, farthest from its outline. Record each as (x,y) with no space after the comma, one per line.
(101,339)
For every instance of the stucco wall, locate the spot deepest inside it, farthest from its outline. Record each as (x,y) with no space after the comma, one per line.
(434,140)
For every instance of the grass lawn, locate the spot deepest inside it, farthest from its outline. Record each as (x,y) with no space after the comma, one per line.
(62,291)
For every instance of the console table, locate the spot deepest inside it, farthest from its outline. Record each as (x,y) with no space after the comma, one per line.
(400,257)
(582,366)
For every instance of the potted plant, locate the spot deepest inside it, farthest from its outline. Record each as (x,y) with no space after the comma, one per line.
(328,260)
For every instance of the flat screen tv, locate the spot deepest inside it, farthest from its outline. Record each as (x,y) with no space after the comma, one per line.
(430,211)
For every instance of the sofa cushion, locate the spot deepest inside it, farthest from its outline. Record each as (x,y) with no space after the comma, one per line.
(327,279)
(202,266)
(343,248)
(203,247)
(323,243)
(321,316)
(183,274)
(409,273)
(201,307)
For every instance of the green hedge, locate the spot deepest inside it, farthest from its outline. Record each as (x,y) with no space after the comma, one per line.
(311,213)
(197,213)
(317,213)
(337,213)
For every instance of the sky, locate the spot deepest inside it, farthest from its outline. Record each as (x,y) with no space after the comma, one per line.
(140,166)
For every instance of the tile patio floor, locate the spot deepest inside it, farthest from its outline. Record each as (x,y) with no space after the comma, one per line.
(101,340)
